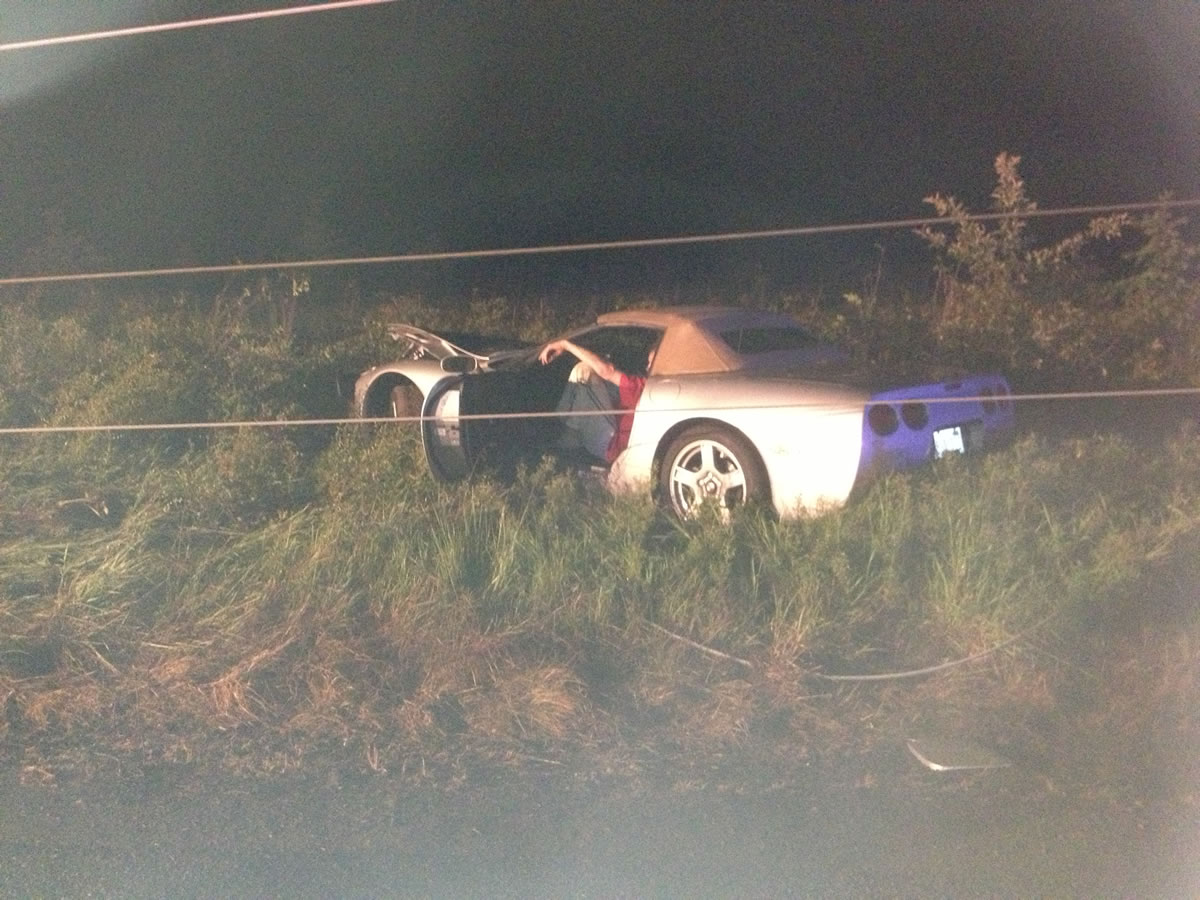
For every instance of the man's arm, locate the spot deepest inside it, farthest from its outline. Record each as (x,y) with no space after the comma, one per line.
(597,364)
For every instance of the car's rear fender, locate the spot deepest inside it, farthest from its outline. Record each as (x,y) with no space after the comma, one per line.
(682,425)
(808,435)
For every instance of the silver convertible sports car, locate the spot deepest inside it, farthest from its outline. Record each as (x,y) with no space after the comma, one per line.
(738,406)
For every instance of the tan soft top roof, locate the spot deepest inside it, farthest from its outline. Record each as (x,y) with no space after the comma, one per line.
(691,343)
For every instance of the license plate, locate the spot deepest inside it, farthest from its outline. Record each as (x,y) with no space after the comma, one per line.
(949,440)
(957,439)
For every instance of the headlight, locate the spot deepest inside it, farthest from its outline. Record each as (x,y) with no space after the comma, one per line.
(445,414)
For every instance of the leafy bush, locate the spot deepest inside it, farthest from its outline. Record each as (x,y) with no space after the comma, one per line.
(1050,313)
(1153,326)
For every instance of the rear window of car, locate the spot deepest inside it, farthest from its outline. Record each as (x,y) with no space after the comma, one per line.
(768,339)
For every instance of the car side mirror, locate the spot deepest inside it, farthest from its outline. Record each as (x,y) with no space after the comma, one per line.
(459,365)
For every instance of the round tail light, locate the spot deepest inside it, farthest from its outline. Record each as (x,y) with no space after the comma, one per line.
(915,415)
(882,419)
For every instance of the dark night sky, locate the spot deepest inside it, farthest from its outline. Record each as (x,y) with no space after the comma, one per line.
(420,126)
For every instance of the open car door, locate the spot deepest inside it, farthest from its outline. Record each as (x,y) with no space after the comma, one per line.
(492,418)
(443,433)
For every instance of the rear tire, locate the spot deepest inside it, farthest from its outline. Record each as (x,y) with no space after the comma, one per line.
(709,464)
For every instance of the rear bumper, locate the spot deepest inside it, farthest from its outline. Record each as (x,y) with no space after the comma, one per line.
(908,427)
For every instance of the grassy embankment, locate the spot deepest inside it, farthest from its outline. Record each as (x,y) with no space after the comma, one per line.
(265,599)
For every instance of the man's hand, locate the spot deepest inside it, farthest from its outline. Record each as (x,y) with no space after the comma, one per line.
(597,364)
(552,351)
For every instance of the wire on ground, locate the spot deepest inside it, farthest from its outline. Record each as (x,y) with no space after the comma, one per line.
(880,676)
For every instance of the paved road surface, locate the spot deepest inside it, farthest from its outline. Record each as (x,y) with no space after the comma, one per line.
(534,835)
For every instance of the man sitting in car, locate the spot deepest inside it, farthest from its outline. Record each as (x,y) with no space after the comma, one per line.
(595,391)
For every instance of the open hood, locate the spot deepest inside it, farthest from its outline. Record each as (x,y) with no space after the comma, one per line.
(417,343)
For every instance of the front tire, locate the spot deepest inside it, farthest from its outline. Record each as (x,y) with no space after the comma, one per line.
(708,464)
(406,401)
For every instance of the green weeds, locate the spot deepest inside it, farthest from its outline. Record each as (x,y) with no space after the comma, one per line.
(222,595)
(400,613)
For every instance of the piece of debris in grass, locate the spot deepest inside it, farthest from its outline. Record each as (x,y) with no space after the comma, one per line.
(954,754)
(95,505)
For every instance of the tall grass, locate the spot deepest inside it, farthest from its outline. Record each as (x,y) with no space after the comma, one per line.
(388,610)
(252,596)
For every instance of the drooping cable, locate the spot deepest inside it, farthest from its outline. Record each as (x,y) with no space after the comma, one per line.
(187,23)
(627,244)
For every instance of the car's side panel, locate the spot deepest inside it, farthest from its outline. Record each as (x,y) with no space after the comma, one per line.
(808,434)
(812,456)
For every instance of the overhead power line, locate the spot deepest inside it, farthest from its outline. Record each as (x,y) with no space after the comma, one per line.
(188,23)
(468,417)
(629,244)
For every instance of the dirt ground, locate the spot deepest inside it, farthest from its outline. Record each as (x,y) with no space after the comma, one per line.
(875,826)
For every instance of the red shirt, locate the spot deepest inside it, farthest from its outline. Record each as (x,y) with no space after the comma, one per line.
(630,388)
